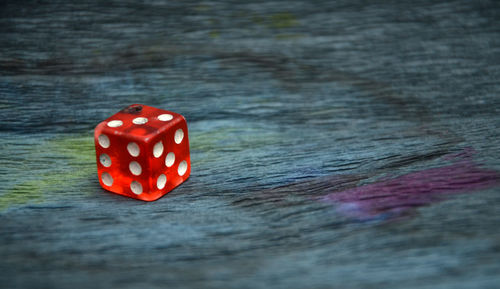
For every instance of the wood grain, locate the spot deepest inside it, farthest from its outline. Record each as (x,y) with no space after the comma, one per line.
(286,104)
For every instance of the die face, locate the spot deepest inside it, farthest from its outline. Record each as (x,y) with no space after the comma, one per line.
(170,159)
(142,152)
(140,122)
(122,163)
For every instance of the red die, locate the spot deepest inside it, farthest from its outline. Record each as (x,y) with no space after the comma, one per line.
(142,152)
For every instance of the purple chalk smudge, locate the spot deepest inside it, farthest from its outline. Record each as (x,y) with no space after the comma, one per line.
(396,196)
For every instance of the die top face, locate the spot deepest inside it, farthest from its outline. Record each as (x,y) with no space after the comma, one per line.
(144,157)
(139,122)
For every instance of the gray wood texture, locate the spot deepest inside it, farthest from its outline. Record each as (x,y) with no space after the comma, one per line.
(334,144)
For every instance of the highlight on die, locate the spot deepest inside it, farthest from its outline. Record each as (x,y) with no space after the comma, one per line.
(142,152)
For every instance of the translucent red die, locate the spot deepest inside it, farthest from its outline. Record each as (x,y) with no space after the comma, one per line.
(142,152)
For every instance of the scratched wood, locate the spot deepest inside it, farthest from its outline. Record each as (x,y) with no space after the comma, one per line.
(334,144)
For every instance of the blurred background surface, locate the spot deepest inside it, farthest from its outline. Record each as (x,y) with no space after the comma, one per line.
(334,144)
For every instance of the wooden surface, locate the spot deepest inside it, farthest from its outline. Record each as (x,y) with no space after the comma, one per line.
(334,144)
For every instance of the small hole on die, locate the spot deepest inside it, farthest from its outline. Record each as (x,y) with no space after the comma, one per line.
(160,183)
(182,168)
(170,159)
(165,117)
(133,149)
(179,135)
(107,179)
(136,187)
(158,149)
(135,168)
(103,141)
(115,123)
(105,160)
(140,120)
